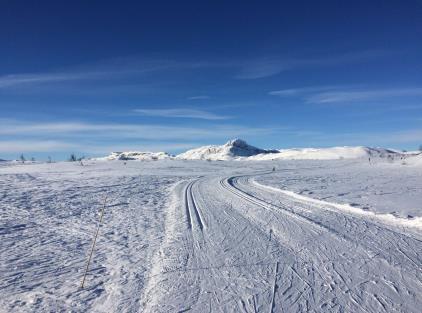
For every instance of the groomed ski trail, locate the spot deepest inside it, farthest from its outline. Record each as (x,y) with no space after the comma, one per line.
(234,246)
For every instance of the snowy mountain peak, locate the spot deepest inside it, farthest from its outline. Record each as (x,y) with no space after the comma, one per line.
(237,143)
(233,149)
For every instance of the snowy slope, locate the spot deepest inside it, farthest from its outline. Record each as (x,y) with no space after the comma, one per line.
(327,154)
(233,149)
(137,155)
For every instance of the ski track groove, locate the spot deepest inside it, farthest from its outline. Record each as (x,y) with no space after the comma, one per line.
(228,184)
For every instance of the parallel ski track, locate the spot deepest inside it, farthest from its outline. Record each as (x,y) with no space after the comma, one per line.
(230,184)
(308,266)
(377,244)
(190,205)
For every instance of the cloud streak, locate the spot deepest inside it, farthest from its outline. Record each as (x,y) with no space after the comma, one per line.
(360,95)
(110,69)
(331,95)
(181,113)
(299,91)
(116,68)
(267,67)
(96,138)
(199,98)
(90,138)
(127,131)
(26,79)
(24,146)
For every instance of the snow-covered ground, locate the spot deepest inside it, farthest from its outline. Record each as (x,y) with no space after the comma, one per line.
(380,186)
(232,236)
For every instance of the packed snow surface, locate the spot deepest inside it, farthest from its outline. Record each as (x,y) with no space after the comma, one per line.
(196,236)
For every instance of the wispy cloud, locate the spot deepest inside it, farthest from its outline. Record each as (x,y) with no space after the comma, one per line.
(293,92)
(110,69)
(116,131)
(24,146)
(25,79)
(341,94)
(359,95)
(181,113)
(266,67)
(95,138)
(199,98)
(91,138)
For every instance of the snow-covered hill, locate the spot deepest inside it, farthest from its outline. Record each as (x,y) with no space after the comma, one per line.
(233,149)
(137,155)
(238,149)
(327,154)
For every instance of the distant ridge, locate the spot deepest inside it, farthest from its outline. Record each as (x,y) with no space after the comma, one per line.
(238,149)
(137,155)
(328,153)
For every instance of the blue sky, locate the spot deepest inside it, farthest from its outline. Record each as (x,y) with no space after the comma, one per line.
(96,77)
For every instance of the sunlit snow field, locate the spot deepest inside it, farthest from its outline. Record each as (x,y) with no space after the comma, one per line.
(49,213)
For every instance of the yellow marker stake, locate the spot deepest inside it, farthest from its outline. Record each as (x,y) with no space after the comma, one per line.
(93,242)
